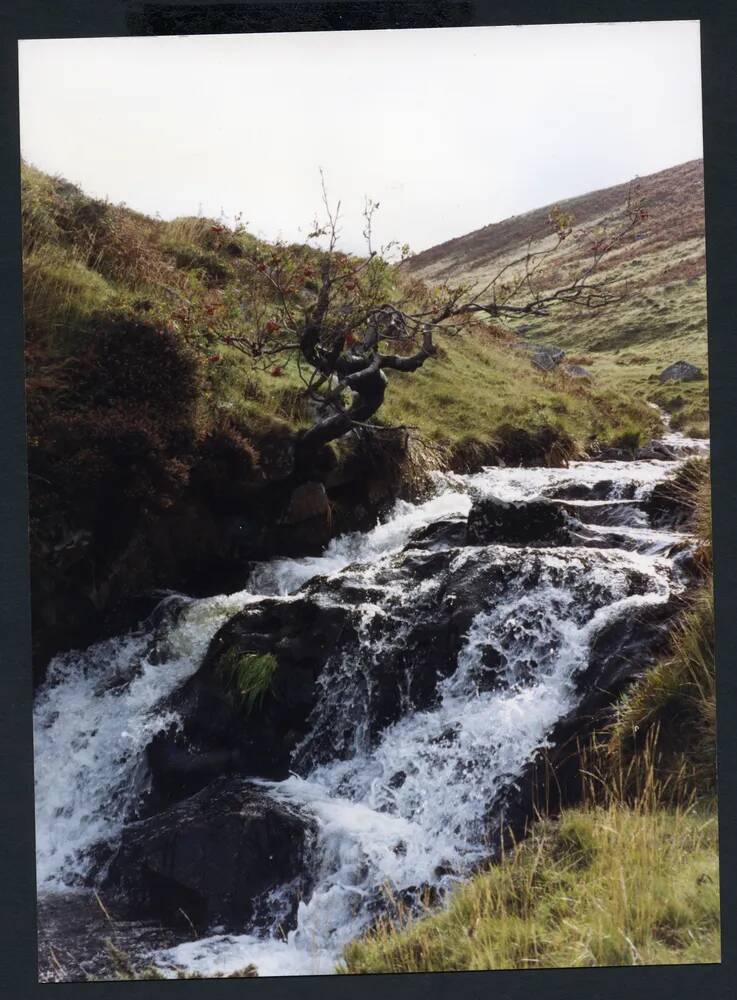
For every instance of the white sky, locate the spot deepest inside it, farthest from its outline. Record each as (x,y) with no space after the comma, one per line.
(449,129)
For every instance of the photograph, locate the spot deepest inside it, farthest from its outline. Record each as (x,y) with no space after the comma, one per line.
(367,418)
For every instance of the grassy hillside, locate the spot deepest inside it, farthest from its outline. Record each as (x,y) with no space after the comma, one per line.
(86,261)
(627,344)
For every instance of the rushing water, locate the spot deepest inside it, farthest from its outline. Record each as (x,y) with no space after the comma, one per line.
(407,809)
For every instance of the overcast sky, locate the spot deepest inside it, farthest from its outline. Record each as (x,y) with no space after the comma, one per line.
(449,129)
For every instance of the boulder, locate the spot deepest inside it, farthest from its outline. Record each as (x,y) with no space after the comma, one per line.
(546,358)
(655,451)
(212,857)
(522,522)
(577,371)
(681,371)
(219,732)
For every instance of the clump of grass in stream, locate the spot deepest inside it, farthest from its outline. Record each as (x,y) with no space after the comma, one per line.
(248,677)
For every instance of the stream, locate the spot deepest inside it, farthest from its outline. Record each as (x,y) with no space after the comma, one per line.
(400,779)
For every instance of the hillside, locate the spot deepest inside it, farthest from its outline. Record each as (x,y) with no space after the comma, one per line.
(150,435)
(624,345)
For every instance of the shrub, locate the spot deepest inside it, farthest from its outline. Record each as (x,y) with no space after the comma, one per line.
(629,439)
(214,270)
(135,363)
(108,464)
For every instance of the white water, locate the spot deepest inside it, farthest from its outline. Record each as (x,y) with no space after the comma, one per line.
(404,812)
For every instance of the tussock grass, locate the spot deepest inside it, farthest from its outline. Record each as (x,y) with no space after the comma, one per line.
(628,878)
(248,676)
(674,707)
(61,292)
(602,886)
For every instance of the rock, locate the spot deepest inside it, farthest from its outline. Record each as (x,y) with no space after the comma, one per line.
(609,513)
(307,523)
(603,490)
(440,534)
(681,371)
(670,505)
(219,734)
(547,358)
(491,520)
(655,451)
(611,455)
(542,356)
(213,857)
(577,371)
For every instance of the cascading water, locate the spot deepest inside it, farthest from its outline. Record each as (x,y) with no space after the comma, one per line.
(404,807)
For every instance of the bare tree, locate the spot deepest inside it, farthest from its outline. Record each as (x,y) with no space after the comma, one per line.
(343,322)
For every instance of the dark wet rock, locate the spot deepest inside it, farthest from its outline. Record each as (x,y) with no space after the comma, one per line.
(308,501)
(655,451)
(448,533)
(681,371)
(605,489)
(672,502)
(608,513)
(219,732)
(492,520)
(611,454)
(211,857)
(307,523)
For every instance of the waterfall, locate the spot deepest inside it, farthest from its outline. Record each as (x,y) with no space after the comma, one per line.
(400,809)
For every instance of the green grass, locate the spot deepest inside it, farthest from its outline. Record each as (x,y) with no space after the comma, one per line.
(248,677)
(601,886)
(673,707)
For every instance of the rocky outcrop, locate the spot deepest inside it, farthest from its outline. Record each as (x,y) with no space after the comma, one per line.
(493,520)
(213,858)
